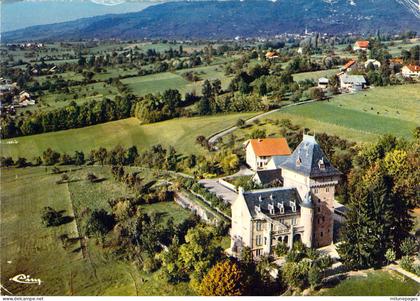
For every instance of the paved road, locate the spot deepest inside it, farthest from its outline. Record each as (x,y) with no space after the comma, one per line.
(213,138)
(218,189)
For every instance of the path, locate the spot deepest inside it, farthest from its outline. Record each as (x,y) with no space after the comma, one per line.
(213,138)
(398,269)
(218,189)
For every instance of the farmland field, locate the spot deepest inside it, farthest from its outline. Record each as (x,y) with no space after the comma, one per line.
(180,133)
(315,75)
(31,248)
(361,116)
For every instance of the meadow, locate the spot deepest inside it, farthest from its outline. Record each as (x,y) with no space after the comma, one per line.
(314,75)
(180,133)
(363,116)
(31,248)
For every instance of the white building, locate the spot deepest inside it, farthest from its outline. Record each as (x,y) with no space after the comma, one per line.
(410,71)
(260,151)
(352,83)
(303,209)
(375,63)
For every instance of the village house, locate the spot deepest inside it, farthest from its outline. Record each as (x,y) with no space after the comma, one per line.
(361,46)
(260,151)
(271,55)
(323,83)
(376,64)
(410,71)
(348,66)
(301,210)
(352,83)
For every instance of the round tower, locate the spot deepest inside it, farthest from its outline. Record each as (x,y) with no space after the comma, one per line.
(307,220)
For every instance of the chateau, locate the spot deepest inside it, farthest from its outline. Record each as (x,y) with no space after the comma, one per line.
(300,210)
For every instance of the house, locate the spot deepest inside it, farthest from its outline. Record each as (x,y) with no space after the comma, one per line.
(376,64)
(361,46)
(348,66)
(260,151)
(410,71)
(25,99)
(270,177)
(301,210)
(352,83)
(323,83)
(271,55)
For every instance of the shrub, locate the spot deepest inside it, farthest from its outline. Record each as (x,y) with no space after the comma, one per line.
(409,246)
(407,264)
(281,249)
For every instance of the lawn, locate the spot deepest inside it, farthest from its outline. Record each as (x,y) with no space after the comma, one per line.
(180,133)
(29,247)
(362,116)
(376,283)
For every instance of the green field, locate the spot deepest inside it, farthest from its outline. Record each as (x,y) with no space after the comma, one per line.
(362,116)
(31,248)
(159,82)
(315,75)
(377,283)
(180,133)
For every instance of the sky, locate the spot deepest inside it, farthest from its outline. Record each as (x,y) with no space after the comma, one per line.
(20,14)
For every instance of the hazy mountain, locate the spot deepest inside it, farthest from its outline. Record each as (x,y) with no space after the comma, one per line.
(228,19)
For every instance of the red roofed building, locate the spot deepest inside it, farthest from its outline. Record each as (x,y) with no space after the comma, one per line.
(361,45)
(410,71)
(348,65)
(260,151)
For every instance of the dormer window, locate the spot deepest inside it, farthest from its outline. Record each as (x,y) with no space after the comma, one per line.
(260,198)
(271,208)
(272,197)
(293,205)
(321,164)
(298,161)
(257,208)
(281,207)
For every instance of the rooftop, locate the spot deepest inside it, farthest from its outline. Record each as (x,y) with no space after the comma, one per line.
(362,44)
(268,176)
(270,201)
(270,147)
(353,79)
(309,160)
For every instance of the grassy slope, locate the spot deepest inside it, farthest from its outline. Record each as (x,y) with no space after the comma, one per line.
(377,283)
(35,250)
(181,133)
(315,75)
(355,116)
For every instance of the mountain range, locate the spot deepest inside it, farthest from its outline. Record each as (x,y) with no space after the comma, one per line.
(229,19)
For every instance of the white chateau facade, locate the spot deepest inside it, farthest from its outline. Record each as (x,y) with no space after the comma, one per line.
(302,209)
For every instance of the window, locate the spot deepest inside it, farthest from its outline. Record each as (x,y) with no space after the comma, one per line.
(327,189)
(293,221)
(319,209)
(318,221)
(265,241)
(316,190)
(258,240)
(259,226)
(258,252)
(322,234)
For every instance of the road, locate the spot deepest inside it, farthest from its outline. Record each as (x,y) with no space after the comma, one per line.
(213,138)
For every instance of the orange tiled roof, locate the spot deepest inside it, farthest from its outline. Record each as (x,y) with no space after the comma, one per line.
(397,60)
(271,54)
(349,64)
(362,44)
(413,68)
(270,147)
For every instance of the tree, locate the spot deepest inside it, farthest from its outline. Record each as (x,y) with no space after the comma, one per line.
(91,177)
(240,123)
(100,223)
(79,158)
(50,157)
(224,279)
(203,106)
